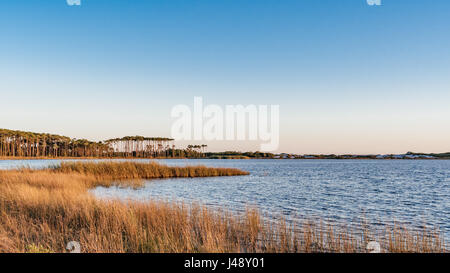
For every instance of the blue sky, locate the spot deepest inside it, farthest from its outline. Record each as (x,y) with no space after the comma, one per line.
(349,78)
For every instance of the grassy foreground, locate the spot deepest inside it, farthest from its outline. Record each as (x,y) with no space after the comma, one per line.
(43,210)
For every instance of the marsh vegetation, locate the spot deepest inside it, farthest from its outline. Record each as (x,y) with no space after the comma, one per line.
(43,210)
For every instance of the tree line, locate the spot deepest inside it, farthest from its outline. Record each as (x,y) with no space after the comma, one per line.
(29,144)
(139,146)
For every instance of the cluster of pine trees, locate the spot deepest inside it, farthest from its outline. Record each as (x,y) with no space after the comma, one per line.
(29,144)
(139,146)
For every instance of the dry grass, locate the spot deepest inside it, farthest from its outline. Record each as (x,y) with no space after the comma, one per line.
(42,210)
(133,170)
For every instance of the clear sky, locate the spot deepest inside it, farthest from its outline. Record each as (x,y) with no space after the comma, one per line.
(349,77)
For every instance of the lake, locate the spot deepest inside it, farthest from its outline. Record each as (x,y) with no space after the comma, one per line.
(413,192)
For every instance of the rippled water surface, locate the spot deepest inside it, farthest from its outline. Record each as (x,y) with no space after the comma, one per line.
(413,192)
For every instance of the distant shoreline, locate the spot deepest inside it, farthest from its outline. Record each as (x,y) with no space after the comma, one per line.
(227,158)
(22,145)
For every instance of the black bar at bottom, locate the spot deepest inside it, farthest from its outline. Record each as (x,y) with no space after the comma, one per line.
(222,262)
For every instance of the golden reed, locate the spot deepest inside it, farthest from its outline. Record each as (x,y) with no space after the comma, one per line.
(42,210)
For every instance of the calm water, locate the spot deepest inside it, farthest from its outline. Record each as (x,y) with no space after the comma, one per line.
(412,192)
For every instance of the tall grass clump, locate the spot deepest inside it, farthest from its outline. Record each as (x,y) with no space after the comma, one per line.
(134,170)
(42,210)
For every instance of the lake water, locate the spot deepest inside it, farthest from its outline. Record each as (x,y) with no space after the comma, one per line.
(413,192)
